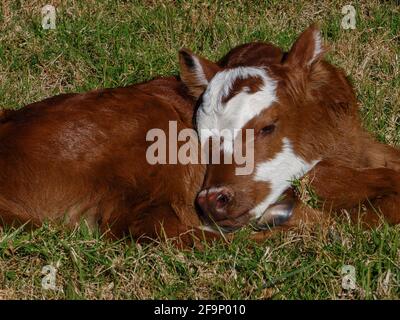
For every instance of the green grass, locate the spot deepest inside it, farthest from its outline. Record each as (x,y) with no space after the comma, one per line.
(116,43)
(289,266)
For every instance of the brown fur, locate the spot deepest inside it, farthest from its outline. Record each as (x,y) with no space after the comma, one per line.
(318,111)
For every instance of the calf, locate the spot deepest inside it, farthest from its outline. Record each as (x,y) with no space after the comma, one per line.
(82,156)
(304,117)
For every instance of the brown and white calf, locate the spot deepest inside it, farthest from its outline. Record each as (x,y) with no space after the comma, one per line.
(82,156)
(304,114)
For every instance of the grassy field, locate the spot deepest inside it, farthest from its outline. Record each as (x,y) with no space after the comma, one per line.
(116,43)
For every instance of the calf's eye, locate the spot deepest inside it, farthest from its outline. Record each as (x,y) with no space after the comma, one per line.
(267,129)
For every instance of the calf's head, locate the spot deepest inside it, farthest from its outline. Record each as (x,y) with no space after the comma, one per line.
(280,104)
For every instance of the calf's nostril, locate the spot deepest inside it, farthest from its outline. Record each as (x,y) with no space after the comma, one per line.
(222,200)
(214,201)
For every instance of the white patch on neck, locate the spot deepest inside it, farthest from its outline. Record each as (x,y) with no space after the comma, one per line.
(201,77)
(213,116)
(280,172)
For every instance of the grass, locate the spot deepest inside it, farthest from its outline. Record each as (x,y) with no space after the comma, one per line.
(116,43)
(294,265)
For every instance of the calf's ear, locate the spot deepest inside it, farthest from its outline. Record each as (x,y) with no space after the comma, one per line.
(196,72)
(307,50)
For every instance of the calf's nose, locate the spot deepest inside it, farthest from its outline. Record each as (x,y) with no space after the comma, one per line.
(214,201)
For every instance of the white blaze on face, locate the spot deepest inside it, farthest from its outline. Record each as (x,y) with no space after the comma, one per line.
(279,172)
(215,118)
